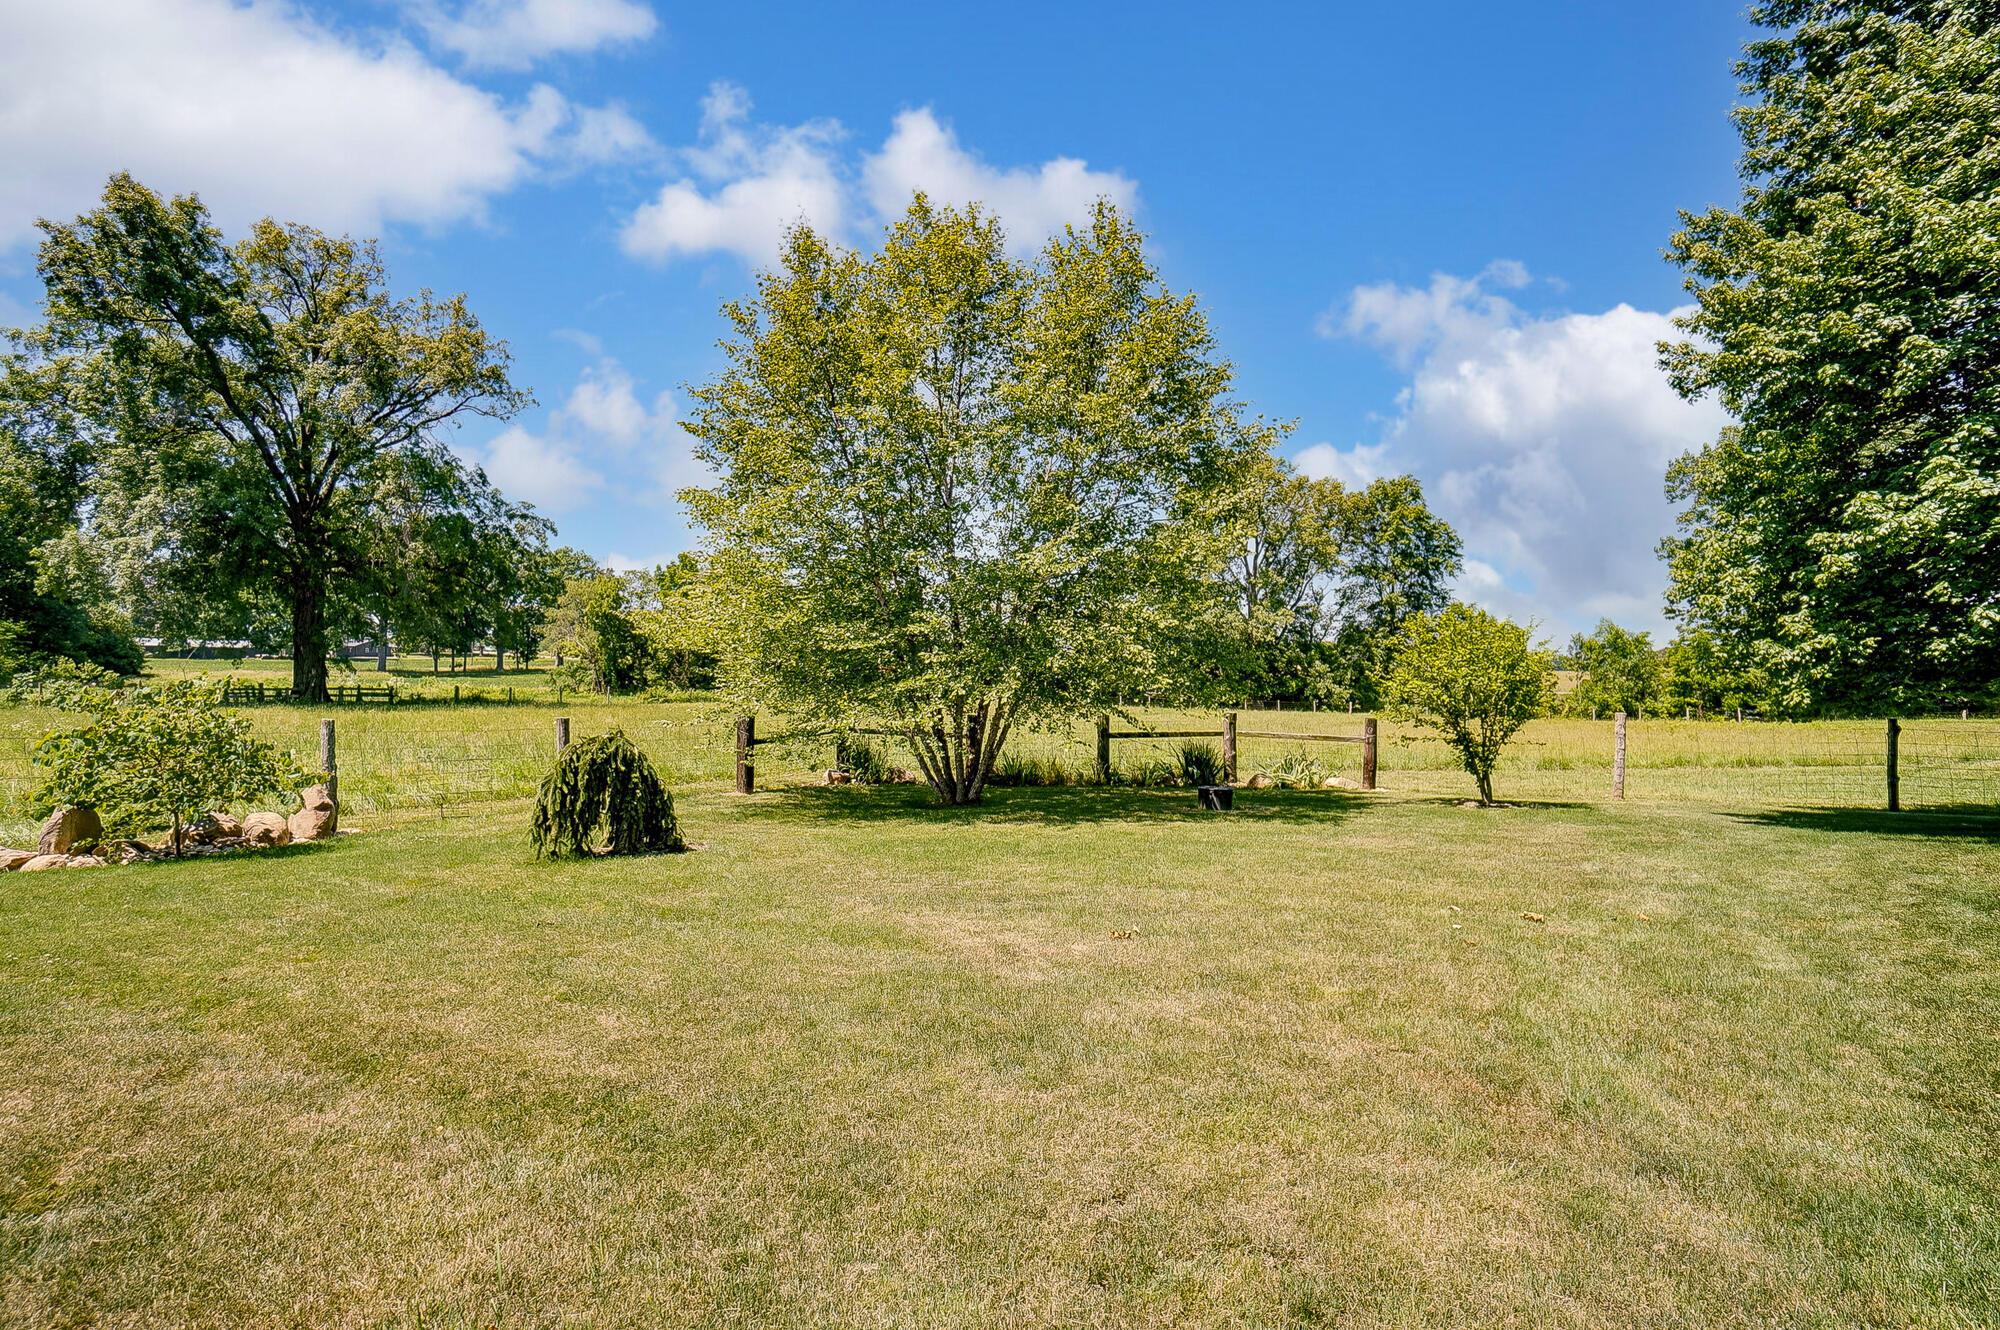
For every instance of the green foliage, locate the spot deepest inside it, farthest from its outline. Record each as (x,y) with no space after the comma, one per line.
(154,755)
(42,470)
(959,490)
(604,784)
(592,627)
(1472,678)
(1621,671)
(1844,537)
(1320,578)
(1036,769)
(1696,676)
(1199,763)
(866,761)
(246,410)
(1297,771)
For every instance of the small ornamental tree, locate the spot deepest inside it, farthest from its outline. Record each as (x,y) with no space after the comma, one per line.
(1474,679)
(604,783)
(155,756)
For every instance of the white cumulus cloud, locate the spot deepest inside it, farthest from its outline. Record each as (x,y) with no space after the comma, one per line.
(743,184)
(748,185)
(513,34)
(262,111)
(606,439)
(1543,439)
(1034,202)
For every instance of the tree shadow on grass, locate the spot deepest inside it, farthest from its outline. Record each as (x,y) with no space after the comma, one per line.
(1072,805)
(1974,822)
(1501,805)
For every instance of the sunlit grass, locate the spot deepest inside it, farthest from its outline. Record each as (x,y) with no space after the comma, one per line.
(1080,1057)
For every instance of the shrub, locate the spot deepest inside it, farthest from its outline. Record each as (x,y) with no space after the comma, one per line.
(153,755)
(1200,763)
(604,783)
(1297,771)
(1016,769)
(867,761)
(1150,773)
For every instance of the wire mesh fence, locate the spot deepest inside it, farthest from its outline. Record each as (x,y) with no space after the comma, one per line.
(446,761)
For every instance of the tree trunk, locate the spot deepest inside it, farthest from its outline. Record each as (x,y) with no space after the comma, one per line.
(381,644)
(308,634)
(1486,788)
(956,749)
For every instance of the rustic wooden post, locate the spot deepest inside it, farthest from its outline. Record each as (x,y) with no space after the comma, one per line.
(1618,758)
(746,748)
(328,764)
(1895,780)
(1104,750)
(1228,748)
(562,734)
(454,694)
(1368,753)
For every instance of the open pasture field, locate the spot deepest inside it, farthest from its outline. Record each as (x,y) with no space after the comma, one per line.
(1081,1057)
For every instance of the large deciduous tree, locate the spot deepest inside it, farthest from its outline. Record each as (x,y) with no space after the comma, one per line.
(1620,669)
(958,491)
(1844,537)
(1320,578)
(256,393)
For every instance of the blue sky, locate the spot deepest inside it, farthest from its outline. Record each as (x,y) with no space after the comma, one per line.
(1430,234)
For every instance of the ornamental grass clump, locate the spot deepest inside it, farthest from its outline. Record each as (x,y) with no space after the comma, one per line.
(604,784)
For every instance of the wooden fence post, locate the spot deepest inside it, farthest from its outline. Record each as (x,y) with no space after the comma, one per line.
(1104,750)
(329,765)
(1895,780)
(746,747)
(1228,748)
(562,734)
(454,694)
(1368,753)
(1618,758)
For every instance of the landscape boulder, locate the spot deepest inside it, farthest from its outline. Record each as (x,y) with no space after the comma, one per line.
(1260,781)
(266,829)
(69,826)
(41,861)
(317,819)
(213,827)
(13,859)
(839,778)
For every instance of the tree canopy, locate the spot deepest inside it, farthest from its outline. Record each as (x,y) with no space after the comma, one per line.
(1319,579)
(961,491)
(1620,668)
(1843,537)
(250,405)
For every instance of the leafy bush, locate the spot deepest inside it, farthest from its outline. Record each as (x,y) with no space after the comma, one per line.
(1200,763)
(604,783)
(153,756)
(867,761)
(1151,773)
(1297,771)
(1016,769)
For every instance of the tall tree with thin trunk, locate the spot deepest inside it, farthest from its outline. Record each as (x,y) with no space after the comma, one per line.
(259,391)
(959,492)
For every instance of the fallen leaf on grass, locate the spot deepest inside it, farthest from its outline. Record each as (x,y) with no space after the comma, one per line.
(1123,934)
(1532,917)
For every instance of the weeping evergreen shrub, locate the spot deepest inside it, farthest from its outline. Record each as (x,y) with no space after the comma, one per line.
(604,783)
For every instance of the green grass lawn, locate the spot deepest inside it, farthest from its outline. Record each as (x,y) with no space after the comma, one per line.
(1081,1057)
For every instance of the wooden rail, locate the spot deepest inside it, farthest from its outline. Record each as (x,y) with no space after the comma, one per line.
(747,742)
